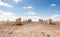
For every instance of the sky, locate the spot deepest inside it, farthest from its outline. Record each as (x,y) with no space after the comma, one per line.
(34,9)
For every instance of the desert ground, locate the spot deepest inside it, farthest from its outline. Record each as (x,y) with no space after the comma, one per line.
(31,29)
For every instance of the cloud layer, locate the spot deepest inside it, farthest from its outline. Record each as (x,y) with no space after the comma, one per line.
(53,5)
(30,13)
(27,7)
(4,15)
(5,4)
(17,1)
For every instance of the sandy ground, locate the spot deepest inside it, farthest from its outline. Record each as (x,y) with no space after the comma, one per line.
(33,29)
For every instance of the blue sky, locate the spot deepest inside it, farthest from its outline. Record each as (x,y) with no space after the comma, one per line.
(34,9)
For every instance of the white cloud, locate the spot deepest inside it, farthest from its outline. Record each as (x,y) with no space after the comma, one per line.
(34,18)
(17,1)
(0,11)
(7,15)
(28,7)
(54,17)
(4,17)
(30,13)
(53,5)
(0,0)
(5,4)
(11,16)
(57,11)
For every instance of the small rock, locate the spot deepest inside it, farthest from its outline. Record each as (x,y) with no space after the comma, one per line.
(48,35)
(10,32)
(43,33)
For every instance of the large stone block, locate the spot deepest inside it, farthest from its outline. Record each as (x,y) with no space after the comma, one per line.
(40,20)
(18,21)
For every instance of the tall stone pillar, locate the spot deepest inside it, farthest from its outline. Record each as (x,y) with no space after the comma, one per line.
(49,21)
(40,21)
(29,20)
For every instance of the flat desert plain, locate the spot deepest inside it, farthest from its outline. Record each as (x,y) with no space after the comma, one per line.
(32,29)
